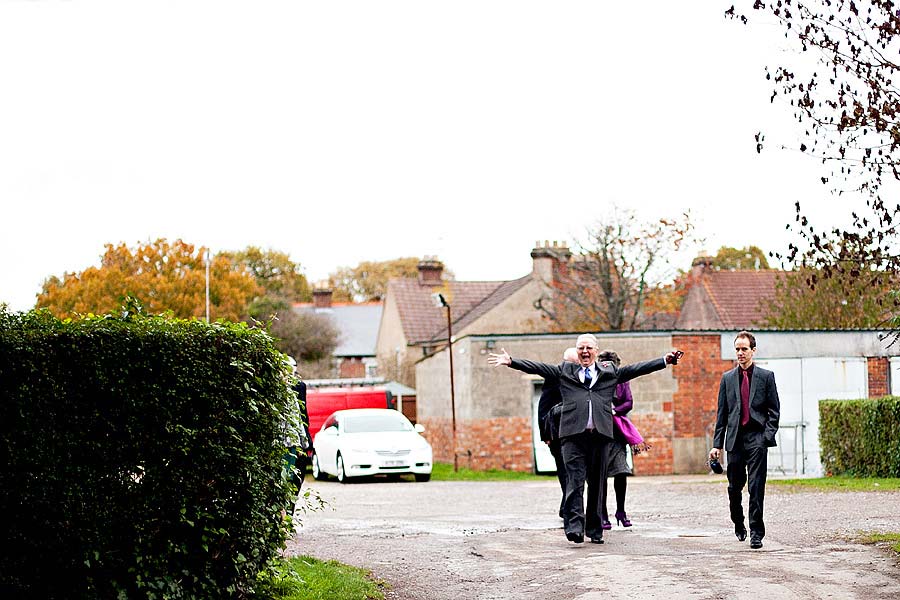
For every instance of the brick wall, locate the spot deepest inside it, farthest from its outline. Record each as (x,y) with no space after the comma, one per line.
(879,376)
(408,407)
(656,429)
(498,443)
(698,374)
(352,367)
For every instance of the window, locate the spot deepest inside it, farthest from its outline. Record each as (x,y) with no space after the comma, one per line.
(373,423)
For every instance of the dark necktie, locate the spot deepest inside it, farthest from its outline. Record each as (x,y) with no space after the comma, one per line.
(745,398)
(587,377)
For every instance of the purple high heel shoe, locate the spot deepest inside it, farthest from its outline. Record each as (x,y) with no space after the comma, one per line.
(605,524)
(622,519)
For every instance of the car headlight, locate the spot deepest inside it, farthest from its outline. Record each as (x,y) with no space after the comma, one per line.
(358,450)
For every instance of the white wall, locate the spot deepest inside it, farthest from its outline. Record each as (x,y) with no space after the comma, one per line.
(802,382)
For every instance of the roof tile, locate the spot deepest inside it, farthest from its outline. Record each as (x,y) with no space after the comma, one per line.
(423,322)
(740,297)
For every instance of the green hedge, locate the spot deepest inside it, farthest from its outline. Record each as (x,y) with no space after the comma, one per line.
(140,457)
(860,437)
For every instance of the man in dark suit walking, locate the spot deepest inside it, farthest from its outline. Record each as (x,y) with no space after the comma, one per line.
(585,427)
(746,424)
(550,397)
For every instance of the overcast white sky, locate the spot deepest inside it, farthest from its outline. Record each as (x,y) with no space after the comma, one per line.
(347,131)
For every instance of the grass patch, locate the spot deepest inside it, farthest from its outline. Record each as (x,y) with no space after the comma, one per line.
(444,472)
(308,578)
(889,540)
(842,484)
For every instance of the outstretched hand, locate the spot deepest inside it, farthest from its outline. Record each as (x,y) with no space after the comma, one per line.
(673,356)
(502,359)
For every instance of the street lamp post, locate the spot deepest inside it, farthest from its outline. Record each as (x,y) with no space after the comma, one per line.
(207,285)
(440,301)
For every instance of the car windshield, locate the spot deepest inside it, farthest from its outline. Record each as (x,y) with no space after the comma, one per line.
(371,423)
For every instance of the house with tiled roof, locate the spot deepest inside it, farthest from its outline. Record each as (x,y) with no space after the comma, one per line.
(357,327)
(413,326)
(721,300)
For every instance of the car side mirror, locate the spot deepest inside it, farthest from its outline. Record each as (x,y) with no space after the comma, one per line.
(419,428)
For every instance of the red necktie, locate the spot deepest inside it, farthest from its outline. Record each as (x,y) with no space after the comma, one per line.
(745,398)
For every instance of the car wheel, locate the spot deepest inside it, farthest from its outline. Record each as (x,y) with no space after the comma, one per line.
(341,475)
(318,474)
(423,477)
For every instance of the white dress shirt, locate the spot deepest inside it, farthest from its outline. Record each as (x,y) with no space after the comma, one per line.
(593,370)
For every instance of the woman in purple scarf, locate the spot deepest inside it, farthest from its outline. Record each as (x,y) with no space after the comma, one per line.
(625,434)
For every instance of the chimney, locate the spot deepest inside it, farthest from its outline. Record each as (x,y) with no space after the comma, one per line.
(322,298)
(547,259)
(700,265)
(430,271)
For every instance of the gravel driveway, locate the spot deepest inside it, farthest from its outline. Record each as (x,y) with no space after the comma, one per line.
(473,540)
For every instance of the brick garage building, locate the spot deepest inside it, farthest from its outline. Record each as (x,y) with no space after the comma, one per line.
(674,409)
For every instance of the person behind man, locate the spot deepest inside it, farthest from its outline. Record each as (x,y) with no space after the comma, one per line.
(618,467)
(295,432)
(550,397)
(585,425)
(746,424)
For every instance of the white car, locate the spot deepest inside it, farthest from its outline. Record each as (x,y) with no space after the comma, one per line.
(370,441)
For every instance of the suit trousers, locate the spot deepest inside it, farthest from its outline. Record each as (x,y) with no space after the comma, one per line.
(556,451)
(586,456)
(747,463)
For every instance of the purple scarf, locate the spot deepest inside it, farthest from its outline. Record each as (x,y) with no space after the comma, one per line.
(625,429)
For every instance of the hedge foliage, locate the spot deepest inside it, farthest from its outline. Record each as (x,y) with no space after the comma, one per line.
(860,438)
(140,457)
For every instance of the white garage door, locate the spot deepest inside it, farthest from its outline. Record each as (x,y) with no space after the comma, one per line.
(543,460)
(801,384)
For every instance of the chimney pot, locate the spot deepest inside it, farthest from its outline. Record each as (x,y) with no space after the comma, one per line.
(430,271)
(547,260)
(322,298)
(700,265)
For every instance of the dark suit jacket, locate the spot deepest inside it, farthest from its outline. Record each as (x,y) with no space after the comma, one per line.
(764,406)
(576,397)
(550,397)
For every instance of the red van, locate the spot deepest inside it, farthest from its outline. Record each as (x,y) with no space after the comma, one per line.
(322,401)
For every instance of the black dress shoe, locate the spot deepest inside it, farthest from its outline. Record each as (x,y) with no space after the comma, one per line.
(740,533)
(575,537)
(596,540)
(755,542)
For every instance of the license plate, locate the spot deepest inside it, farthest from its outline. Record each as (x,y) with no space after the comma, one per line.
(394,463)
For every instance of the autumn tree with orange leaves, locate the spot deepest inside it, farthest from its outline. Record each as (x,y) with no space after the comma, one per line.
(279,276)
(621,269)
(165,277)
(367,281)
